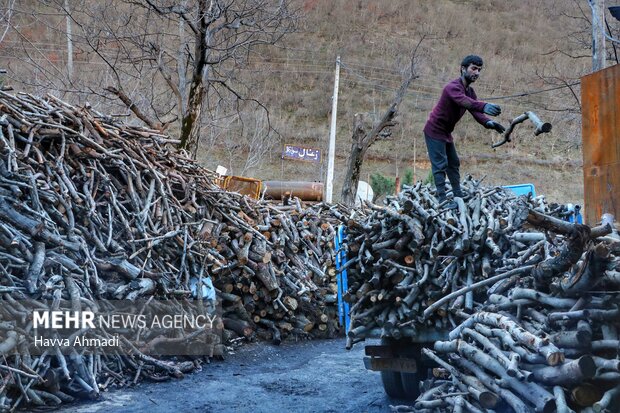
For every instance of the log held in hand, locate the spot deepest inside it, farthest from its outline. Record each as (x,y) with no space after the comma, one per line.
(541,127)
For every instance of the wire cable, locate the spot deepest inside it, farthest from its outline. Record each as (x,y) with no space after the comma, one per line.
(426,95)
(534,92)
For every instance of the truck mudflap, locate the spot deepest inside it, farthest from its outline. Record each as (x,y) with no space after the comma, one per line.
(386,358)
(403,365)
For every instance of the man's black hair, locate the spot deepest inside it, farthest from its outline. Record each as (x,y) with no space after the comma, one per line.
(472,58)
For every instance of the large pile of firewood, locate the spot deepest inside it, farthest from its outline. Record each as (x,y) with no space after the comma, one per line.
(93,209)
(546,341)
(406,255)
(528,302)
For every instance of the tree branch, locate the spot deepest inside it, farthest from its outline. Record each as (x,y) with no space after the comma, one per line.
(129,103)
(362,141)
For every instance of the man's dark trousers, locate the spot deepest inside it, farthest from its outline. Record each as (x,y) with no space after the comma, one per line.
(444,161)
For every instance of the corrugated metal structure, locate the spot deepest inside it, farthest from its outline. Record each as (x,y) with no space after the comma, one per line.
(600,104)
(245,186)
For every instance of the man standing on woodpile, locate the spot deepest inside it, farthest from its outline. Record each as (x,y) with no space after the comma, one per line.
(457,97)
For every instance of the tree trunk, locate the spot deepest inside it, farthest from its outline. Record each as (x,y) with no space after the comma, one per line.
(190,124)
(352,177)
(362,141)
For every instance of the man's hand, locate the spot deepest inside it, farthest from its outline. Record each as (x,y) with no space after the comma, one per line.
(492,109)
(495,125)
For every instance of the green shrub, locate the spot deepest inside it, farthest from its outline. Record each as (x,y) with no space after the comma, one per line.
(407,177)
(382,185)
(385,185)
(430,179)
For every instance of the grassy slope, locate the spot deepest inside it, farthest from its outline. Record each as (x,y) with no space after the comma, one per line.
(375,39)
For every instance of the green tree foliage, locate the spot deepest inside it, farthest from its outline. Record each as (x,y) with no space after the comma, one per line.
(385,185)
(430,179)
(381,185)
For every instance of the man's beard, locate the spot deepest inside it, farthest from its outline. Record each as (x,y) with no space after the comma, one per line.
(471,78)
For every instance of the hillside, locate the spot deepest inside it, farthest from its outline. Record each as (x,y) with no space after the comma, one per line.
(375,43)
(539,46)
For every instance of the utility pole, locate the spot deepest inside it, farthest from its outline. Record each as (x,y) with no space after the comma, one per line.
(329,184)
(69,41)
(598,34)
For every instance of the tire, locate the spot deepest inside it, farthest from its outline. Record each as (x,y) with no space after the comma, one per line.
(411,385)
(411,381)
(392,384)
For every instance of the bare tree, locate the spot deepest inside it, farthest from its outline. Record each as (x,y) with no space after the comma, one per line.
(168,62)
(250,144)
(6,13)
(577,17)
(556,83)
(366,133)
(258,141)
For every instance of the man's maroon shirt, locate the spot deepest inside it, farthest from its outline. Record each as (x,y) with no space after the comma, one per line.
(454,101)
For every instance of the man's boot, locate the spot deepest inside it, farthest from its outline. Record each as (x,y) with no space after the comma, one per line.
(443,201)
(458,193)
(440,194)
(440,191)
(450,205)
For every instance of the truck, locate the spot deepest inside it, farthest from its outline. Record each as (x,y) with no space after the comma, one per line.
(400,361)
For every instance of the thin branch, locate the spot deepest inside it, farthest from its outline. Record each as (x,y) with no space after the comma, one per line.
(562,52)
(613,44)
(176,10)
(7,16)
(130,104)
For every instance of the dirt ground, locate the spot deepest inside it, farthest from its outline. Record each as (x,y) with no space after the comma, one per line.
(309,376)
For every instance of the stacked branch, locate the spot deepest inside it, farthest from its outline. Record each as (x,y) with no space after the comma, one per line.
(405,256)
(92,209)
(549,341)
(281,276)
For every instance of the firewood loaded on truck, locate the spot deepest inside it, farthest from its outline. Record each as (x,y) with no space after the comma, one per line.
(505,304)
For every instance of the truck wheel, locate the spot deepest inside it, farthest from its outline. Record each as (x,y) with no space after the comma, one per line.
(411,381)
(392,384)
(411,385)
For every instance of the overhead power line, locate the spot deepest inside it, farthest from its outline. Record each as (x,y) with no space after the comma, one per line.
(533,92)
(438,85)
(425,95)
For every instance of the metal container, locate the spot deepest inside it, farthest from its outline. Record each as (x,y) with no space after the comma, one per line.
(245,186)
(306,191)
